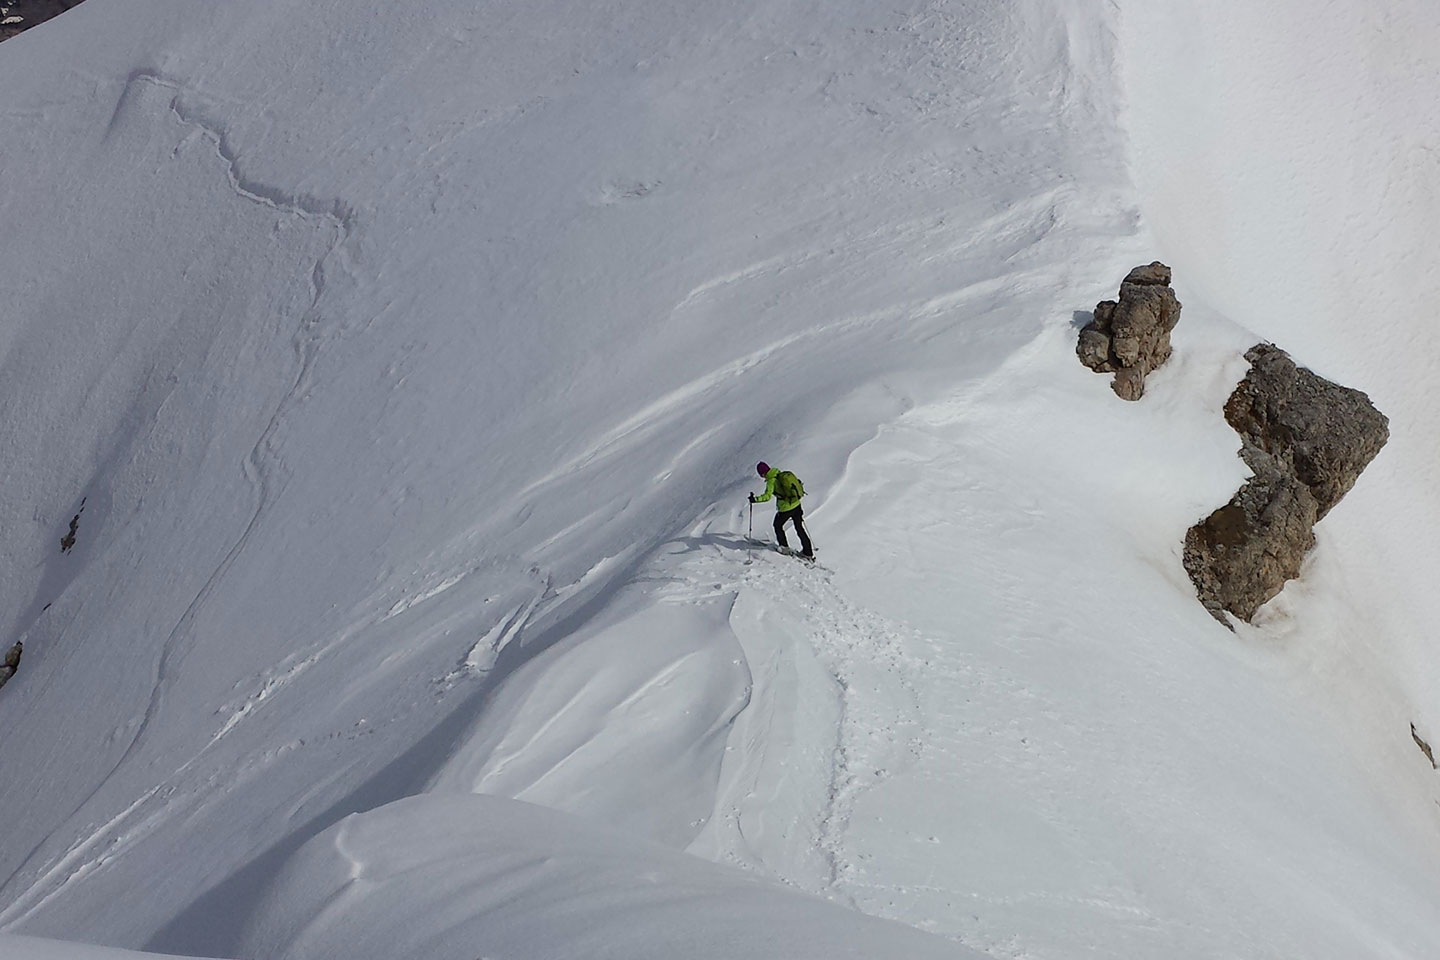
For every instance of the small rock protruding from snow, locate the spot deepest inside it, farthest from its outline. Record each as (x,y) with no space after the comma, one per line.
(67,542)
(11,663)
(1131,337)
(1307,440)
(17,16)
(1424,747)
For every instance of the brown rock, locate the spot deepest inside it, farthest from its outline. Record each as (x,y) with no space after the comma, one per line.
(1131,337)
(1323,433)
(1152,274)
(1306,439)
(1094,349)
(1241,555)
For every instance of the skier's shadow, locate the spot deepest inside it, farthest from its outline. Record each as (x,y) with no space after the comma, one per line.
(737,542)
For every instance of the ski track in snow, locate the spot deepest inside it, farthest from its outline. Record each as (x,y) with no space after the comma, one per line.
(879,725)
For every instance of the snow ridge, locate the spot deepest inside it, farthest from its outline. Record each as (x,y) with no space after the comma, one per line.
(410,361)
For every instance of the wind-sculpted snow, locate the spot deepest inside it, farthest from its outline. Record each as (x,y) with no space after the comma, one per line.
(459,875)
(383,344)
(36,948)
(410,363)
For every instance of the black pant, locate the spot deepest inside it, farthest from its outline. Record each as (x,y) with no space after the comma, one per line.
(798,516)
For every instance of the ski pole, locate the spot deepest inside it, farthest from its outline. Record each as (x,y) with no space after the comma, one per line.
(750,534)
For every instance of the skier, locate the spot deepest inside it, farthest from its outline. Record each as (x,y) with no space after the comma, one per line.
(787,490)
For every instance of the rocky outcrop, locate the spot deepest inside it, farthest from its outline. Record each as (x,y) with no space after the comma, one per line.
(1318,431)
(1306,440)
(67,542)
(1424,747)
(1131,337)
(17,16)
(11,663)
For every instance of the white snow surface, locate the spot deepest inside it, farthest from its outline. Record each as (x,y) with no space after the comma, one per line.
(544,875)
(16,947)
(405,367)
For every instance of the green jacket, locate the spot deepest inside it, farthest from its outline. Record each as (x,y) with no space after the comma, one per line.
(780,505)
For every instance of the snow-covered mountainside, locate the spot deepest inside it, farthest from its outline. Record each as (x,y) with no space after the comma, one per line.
(400,371)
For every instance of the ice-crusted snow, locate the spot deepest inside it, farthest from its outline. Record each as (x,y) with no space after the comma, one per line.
(410,363)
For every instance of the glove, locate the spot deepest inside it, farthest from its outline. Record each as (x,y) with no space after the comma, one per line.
(752,498)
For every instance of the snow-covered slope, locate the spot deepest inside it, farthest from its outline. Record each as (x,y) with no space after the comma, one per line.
(410,363)
(1288,163)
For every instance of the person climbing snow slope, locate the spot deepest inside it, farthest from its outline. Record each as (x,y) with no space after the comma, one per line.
(787,490)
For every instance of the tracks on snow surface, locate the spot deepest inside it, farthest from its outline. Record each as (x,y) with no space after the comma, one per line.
(834,712)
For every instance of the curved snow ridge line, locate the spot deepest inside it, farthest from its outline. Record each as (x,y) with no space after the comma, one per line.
(299,204)
(636,424)
(268,688)
(656,681)
(701,441)
(1023,222)
(635,427)
(770,265)
(503,759)
(482,656)
(483,653)
(889,234)
(1027,221)
(405,603)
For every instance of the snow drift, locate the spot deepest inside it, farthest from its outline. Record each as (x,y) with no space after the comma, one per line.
(506,878)
(410,364)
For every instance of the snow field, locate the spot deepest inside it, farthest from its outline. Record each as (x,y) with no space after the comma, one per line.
(535,317)
(411,363)
(559,883)
(1107,772)
(15,947)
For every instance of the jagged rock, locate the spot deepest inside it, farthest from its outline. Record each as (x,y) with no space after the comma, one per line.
(17,16)
(1154,274)
(1424,747)
(1323,434)
(1241,555)
(11,662)
(67,542)
(1306,439)
(1131,337)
